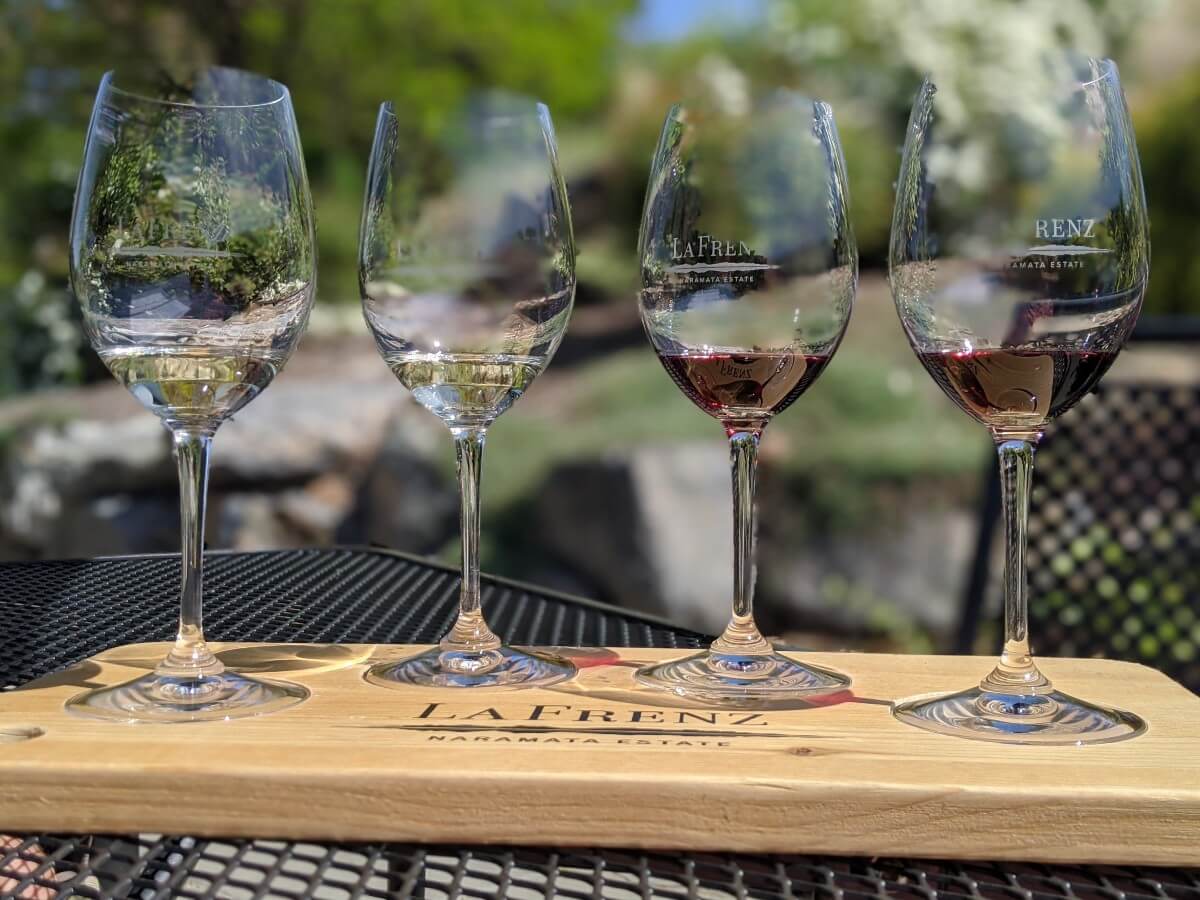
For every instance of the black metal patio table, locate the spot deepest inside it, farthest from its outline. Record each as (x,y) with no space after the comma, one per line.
(54,614)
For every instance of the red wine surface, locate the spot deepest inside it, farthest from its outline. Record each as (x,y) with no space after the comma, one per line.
(743,387)
(1017,389)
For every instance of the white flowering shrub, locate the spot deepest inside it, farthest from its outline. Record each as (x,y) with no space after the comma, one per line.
(988,58)
(40,339)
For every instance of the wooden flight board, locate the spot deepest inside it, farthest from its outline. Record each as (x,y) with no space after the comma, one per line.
(599,761)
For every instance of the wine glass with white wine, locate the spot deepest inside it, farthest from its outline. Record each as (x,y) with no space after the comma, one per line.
(467,275)
(192,256)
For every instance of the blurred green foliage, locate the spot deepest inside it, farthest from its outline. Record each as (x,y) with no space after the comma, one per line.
(340,60)
(1169,139)
(607,92)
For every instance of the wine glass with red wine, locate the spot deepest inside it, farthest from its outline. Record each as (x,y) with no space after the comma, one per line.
(1019,257)
(749,269)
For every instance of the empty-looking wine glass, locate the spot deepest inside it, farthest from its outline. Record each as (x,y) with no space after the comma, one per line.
(749,270)
(192,256)
(467,274)
(1019,257)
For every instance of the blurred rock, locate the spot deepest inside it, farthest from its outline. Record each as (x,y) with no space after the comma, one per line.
(54,474)
(245,521)
(893,577)
(319,507)
(650,528)
(299,430)
(112,525)
(317,459)
(407,498)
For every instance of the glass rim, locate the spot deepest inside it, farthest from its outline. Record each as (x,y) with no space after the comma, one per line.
(762,101)
(108,85)
(1108,69)
(537,107)
(1106,66)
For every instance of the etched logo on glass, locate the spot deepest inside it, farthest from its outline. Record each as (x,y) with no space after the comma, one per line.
(1065,228)
(1058,254)
(706,259)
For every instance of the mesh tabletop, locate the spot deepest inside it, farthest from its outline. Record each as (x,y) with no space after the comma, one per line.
(58,613)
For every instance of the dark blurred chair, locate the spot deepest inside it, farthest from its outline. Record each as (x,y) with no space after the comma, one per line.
(1114,525)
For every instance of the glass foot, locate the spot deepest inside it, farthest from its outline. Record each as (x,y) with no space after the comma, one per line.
(160,698)
(1052,718)
(721,678)
(502,667)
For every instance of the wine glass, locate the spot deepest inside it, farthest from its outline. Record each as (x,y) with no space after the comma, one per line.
(749,270)
(467,275)
(192,257)
(1019,257)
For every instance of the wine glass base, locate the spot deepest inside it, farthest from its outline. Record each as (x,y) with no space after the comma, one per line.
(1053,718)
(503,667)
(159,698)
(720,678)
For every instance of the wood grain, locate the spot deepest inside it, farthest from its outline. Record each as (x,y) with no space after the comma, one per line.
(599,762)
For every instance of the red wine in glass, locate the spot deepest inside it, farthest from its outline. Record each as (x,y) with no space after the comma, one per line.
(740,388)
(748,274)
(1017,388)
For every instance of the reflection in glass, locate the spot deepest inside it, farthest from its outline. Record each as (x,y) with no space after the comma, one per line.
(1019,257)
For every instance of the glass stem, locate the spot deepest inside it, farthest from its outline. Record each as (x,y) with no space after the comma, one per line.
(1016,672)
(741,636)
(190,657)
(470,633)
